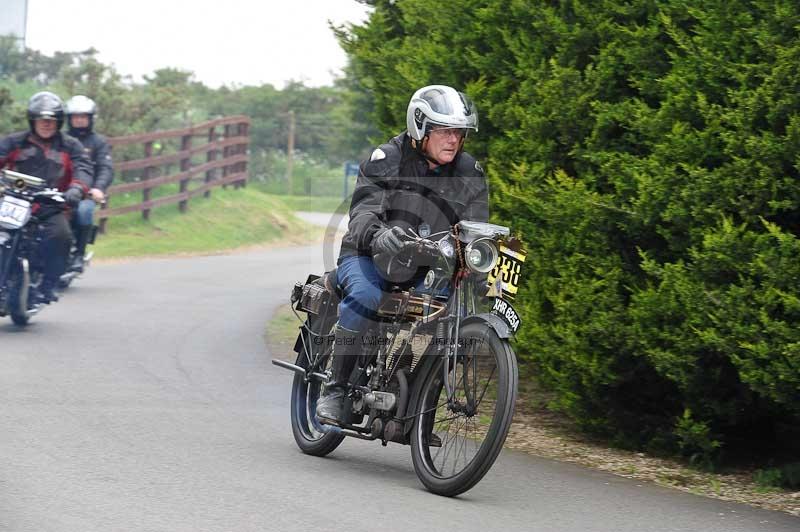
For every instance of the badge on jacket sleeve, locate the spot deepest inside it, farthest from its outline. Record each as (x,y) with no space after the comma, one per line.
(377,155)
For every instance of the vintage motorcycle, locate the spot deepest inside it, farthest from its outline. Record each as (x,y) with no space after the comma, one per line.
(436,371)
(19,264)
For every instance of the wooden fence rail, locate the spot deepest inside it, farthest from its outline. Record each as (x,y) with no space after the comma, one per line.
(225,163)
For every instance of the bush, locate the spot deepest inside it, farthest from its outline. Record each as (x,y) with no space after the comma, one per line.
(786,476)
(649,155)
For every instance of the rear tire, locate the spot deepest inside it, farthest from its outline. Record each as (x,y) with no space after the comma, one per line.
(485,382)
(311,436)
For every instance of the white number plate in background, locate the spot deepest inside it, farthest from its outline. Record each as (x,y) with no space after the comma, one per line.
(14,213)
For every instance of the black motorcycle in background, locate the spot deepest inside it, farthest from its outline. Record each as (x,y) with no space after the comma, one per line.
(436,371)
(20,266)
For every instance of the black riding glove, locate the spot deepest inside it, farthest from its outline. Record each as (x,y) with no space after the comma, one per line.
(390,241)
(73,196)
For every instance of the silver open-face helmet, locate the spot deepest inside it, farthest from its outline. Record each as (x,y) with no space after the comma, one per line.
(439,105)
(80,105)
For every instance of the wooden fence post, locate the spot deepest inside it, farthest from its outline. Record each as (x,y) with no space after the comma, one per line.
(101,225)
(211,155)
(186,163)
(226,152)
(146,175)
(243,150)
(290,154)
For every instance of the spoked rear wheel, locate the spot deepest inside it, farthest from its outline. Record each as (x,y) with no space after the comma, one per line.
(455,442)
(312,436)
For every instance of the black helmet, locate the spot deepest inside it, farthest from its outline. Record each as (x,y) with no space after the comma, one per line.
(45,105)
(80,105)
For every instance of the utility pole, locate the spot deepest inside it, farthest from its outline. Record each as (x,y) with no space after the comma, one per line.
(290,151)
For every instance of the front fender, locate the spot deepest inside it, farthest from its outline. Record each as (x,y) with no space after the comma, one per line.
(493,321)
(430,359)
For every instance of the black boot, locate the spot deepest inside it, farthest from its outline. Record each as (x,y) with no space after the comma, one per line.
(345,353)
(46,292)
(82,238)
(77,263)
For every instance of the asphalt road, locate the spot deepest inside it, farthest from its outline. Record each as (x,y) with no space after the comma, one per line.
(145,401)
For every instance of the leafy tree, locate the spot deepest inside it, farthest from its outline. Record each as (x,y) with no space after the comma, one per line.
(327,133)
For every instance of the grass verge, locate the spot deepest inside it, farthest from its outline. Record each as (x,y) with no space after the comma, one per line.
(281,333)
(227,220)
(314,203)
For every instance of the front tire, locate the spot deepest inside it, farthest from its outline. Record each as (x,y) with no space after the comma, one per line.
(470,431)
(18,300)
(311,436)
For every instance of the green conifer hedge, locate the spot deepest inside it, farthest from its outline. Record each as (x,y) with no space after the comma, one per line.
(648,152)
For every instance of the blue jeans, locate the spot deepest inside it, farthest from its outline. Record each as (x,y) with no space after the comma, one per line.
(84,215)
(364,288)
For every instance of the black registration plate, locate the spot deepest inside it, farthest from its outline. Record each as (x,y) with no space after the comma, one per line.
(507,313)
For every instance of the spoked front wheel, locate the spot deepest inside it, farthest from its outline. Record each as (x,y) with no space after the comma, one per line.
(312,436)
(456,440)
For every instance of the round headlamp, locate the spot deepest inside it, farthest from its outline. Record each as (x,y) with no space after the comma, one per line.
(481,255)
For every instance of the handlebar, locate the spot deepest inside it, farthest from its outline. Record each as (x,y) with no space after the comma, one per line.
(51,193)
(422,246)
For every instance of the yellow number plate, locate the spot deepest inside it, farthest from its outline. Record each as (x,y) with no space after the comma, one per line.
(507,272)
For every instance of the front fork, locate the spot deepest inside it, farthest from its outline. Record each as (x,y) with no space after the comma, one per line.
(464,295)
(7,252)
(8,258)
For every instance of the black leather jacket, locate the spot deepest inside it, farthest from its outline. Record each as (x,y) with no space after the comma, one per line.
(98,151)
(396,187)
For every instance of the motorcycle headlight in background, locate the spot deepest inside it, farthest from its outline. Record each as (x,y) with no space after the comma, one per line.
(447,248)
(481,255)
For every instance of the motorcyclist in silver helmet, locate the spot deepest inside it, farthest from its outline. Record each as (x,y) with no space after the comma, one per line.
(418,183)
(81,113)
